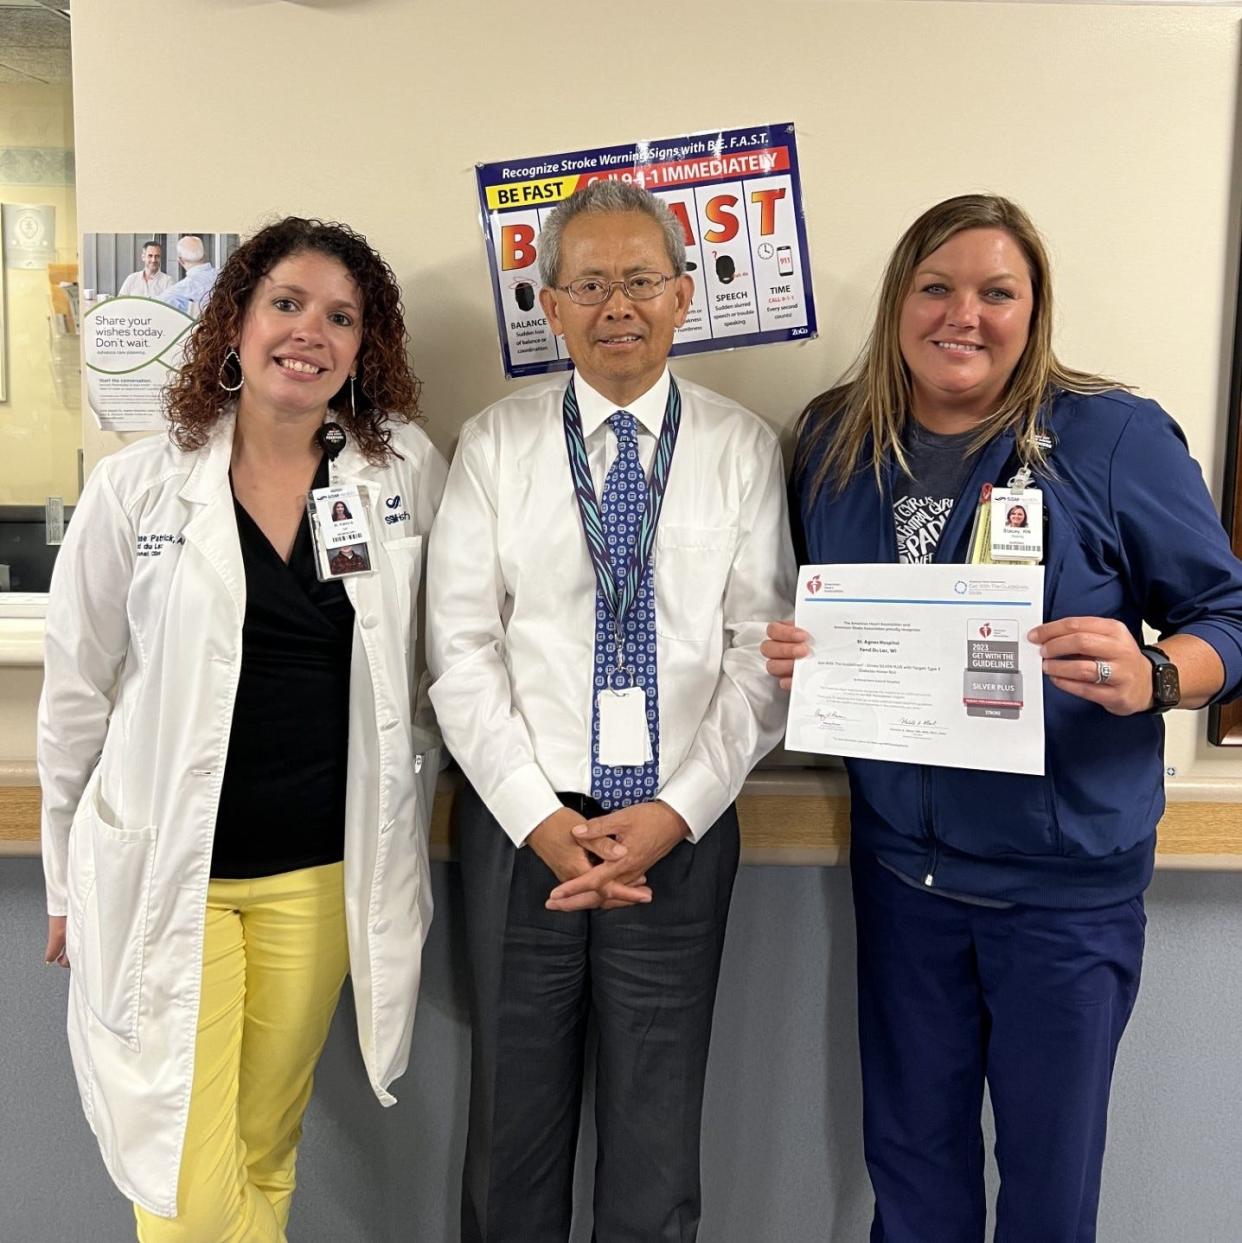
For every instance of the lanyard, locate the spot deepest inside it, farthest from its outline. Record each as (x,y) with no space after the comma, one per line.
(619,592)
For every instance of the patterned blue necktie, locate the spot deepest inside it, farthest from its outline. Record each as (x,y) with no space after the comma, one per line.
(621,507)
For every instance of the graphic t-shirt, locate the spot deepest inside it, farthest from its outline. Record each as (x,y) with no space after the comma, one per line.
(923,501)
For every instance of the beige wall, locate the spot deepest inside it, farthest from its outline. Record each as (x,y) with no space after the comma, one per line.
(1114,126)
(39,426)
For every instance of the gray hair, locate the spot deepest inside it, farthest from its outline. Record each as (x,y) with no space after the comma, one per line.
(190,248)
(608,196)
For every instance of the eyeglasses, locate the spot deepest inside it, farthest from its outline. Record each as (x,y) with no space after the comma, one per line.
(592,290)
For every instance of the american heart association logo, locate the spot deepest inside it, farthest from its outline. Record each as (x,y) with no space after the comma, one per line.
(814,585)
(985,630)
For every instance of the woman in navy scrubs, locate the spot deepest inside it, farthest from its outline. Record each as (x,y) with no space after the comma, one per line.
(1000,917)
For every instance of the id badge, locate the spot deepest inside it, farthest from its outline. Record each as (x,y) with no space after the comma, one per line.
(623,737)
(1017,525)
(339,529)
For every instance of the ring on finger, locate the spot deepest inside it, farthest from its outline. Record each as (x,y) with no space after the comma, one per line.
(1103,671)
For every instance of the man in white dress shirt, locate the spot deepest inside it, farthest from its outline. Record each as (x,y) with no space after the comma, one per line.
(151,280)
(607,552)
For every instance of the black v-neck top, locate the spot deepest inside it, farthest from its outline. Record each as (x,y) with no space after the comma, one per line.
(282,804)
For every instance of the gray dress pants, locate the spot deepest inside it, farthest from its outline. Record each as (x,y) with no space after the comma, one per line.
(648,976)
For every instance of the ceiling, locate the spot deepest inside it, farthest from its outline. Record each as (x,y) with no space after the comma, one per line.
(34,41)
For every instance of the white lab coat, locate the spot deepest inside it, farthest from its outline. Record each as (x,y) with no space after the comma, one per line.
(144,645)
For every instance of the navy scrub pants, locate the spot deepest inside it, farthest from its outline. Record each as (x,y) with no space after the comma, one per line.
(1034,1001)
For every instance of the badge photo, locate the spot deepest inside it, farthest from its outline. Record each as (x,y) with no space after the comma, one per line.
(1017,524)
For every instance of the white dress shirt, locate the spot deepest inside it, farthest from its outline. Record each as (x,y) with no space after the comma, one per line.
(511,601)
(136,285)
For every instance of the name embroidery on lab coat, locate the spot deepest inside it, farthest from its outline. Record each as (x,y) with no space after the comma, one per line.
(153,543)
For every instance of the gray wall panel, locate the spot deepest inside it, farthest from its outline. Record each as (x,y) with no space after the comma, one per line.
(782,1154)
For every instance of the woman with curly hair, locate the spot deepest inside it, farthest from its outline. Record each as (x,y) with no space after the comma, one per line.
(236,758)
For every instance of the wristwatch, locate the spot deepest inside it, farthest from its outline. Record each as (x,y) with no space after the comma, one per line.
(1166,691)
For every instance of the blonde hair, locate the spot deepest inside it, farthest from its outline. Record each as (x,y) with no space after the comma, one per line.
(873,398)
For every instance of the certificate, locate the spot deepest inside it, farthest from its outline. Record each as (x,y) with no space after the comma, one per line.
(927,664)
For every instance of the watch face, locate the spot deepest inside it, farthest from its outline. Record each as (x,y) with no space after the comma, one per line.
(1166,688)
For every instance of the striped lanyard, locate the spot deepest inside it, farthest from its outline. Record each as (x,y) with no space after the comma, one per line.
(619,591)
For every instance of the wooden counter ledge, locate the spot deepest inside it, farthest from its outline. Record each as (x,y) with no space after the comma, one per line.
(793,817)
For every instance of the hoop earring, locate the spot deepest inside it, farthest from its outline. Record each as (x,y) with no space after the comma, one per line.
(220,374)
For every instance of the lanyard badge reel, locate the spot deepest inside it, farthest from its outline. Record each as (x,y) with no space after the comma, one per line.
(337,515)
(1017,521)
(1008,525)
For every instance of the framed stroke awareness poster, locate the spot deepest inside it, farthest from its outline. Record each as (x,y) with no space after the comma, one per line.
(738,196)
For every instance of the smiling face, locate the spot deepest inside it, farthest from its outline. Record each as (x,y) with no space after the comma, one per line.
(300,336)
(619,346)
(151,259)
(964,325)
(1016,517)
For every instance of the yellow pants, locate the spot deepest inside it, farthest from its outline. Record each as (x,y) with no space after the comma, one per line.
(274,958)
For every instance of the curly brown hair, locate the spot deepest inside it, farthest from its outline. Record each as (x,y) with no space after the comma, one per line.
(386,388)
